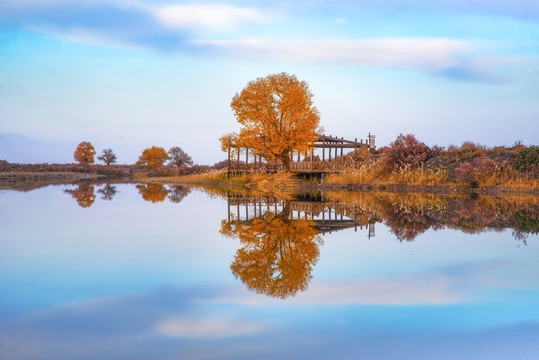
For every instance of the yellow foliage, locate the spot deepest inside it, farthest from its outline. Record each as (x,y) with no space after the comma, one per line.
(278,253)
(153,192)
(277,117)
(84,153)
(153,158)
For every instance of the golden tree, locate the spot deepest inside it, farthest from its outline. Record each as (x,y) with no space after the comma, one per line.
(278,253)
(84,153)
(153,158)
(277,117)
(153,192)
(83,194)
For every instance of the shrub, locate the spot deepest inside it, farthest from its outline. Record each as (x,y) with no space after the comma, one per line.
(485,168)
(527,159)
(406,151)
(466,172)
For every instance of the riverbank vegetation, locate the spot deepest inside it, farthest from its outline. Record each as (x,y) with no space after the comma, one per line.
(411,162)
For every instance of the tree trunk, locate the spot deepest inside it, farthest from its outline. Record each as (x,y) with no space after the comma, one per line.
(286,161)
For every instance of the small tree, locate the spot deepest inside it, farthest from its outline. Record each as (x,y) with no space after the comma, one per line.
(179,158)
(153,158)
(84,153)
(108,157)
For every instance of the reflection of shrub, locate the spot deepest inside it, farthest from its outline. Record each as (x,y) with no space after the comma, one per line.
(466,172)
(527,159)
(526,222)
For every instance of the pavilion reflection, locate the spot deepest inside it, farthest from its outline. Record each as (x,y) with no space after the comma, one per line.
(280,240)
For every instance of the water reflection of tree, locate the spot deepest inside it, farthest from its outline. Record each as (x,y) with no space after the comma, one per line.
(407,222)
(83,194)
(108,191)
(177,193)
(277,254)
(408,215)
(153,192)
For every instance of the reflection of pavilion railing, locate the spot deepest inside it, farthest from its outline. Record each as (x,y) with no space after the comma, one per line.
(328,216)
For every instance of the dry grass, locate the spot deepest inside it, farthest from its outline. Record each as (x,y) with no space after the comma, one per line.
(373,172)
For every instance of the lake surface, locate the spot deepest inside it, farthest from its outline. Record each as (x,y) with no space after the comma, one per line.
(160,272)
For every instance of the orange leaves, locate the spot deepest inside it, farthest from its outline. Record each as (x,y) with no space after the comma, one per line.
(83,194)
(84,153)
(278,253)
(153,158)
(153,192)
(277,116)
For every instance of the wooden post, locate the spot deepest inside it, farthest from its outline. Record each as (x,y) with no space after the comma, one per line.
(342,142)
(228,170)
(324,149)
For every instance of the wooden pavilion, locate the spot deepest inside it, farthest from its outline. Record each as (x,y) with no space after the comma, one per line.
(331,148)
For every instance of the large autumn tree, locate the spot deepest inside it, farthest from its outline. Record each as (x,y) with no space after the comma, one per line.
(84,153)
(153,158)
(277,117)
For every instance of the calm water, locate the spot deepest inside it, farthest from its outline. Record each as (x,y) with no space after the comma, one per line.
(150,272)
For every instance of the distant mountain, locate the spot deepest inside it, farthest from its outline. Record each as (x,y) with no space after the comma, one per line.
(18,148)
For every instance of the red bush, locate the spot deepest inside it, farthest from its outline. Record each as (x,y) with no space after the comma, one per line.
(406,151)
(466,172)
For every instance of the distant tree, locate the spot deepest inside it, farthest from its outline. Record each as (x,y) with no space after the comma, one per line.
(108,157)
(84,153)
(277,117)
(179,158)
(153,158)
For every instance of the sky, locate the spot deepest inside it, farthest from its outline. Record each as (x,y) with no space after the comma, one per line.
(133,74)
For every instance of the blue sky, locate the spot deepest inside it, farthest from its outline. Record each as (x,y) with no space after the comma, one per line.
(143,73)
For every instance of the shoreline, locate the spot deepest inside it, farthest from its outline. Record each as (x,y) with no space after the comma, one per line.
(25,181)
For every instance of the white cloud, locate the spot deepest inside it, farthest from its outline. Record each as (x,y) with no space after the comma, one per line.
(206,328)
(420,54)
(212,16)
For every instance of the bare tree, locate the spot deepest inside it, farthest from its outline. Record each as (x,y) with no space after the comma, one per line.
(179,158)
(108,157)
